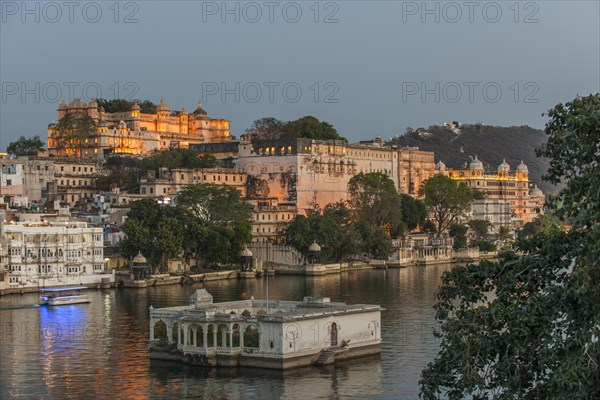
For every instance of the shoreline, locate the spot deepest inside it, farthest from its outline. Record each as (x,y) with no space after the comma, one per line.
(308,270)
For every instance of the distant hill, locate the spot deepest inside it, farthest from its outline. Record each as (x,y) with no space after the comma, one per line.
(456,145)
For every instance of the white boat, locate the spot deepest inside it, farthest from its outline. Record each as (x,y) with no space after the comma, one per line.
(64,296)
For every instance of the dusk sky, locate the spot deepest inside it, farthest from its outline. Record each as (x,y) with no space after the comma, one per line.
(367,67)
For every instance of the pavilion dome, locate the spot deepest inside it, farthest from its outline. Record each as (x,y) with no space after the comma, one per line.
(522,167)
(139,259)
(440,166)
(314,247)
(136,106)
(504,166)
(476,164)
(246,252)
(536,192)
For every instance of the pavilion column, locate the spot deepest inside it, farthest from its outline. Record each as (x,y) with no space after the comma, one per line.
(152,322)
(223,338)
(185,329)
(205,335)
(194,338)
(215,329)
(170,331)
(231,337)
(242,336)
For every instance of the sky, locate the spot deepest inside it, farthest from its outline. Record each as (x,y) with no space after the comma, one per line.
(370,68)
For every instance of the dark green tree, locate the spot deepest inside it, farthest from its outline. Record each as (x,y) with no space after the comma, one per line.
(216,221)
(177,158)
(459,233)
(445,200)
(266,128)
(375,201)
(331,228)
(414,211)
(305,127)
(25,146)
(527,327)
(310,127)
(480,228)
(154,230)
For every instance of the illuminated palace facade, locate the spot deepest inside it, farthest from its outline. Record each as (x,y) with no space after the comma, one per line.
(511,186)
(134,132)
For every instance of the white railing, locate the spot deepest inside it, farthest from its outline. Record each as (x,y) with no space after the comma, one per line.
(251,350)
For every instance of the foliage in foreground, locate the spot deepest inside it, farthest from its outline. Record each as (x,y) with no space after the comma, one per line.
(528,326)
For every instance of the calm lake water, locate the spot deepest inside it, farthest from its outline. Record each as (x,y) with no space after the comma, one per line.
(100,350)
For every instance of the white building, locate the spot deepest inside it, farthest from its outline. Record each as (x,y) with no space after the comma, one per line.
(46,254)
(256,333)
(496,212)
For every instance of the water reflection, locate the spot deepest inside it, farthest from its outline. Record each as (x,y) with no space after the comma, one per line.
(100,349)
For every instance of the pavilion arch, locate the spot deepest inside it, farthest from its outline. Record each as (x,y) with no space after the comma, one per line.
(199,336)
(222,332)
(160,330)
(175,332)
(210,335)
(235,335)
(252,336)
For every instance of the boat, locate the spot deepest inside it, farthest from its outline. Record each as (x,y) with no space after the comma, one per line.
(64,296)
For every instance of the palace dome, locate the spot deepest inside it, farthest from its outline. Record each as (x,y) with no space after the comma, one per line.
(314,247)
(200,111)
(136,106)
(536,192)
(503,167)
(476,164)
(163,106)
(522,167)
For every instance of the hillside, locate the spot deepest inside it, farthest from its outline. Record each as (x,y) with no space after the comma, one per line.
(491,144)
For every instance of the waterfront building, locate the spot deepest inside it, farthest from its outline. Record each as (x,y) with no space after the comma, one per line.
(59,253)
(269,217)
(496,212)
(134,132)
(40,179)
(170,181)
(272,334)
(11,184)
(308,172)
(504,185)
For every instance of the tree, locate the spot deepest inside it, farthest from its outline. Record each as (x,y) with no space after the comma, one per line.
(25,146)
(445,200)
(177,158)
(216,220)
(414,211)
(123,105)
(375,201)
(459,233)
(310,127)
(527,326)
(266,128)
(154,230)
(122,171)
(331,228)
(305,127)
(480,228)
(73,130)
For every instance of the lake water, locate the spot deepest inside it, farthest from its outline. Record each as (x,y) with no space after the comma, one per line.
(100,350)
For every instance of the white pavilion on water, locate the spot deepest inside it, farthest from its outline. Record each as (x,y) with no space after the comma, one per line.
(259,333)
